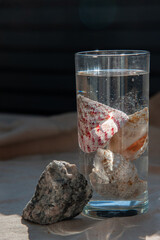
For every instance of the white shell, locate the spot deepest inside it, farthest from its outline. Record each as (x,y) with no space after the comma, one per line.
(97,123)
(115,177)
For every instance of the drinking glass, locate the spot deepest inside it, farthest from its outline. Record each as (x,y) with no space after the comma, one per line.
(113,114)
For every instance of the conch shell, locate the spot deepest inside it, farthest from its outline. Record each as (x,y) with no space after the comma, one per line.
(132,139)
(97,123)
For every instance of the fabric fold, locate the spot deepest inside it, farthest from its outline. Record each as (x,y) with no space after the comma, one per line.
(28,135)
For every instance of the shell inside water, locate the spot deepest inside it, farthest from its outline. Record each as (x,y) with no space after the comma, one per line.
(114,177)
(132,139)
(97,123)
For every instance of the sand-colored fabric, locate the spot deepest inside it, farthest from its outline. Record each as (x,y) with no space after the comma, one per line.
(21,135)
(154,106)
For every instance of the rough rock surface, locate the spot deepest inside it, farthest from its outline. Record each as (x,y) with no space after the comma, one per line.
(61,193)
(114,177)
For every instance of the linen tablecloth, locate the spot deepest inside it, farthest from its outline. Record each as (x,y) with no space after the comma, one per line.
(19,176)
(28,135)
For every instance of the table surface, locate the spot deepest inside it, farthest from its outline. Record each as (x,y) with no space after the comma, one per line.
(18,179)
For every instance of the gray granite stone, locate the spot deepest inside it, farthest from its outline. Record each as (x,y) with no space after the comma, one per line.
(61,193)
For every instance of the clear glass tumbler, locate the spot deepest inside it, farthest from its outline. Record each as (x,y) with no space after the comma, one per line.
(112,107)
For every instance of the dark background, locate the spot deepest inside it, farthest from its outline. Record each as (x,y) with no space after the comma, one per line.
(38,39)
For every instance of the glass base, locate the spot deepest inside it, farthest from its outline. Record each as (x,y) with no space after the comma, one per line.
(107,209)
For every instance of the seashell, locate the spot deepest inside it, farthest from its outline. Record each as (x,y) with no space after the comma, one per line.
(102,187)
(114,166)
(132,139)
(97,123)
(115,177)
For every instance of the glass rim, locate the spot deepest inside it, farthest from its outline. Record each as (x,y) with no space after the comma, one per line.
(112,53)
